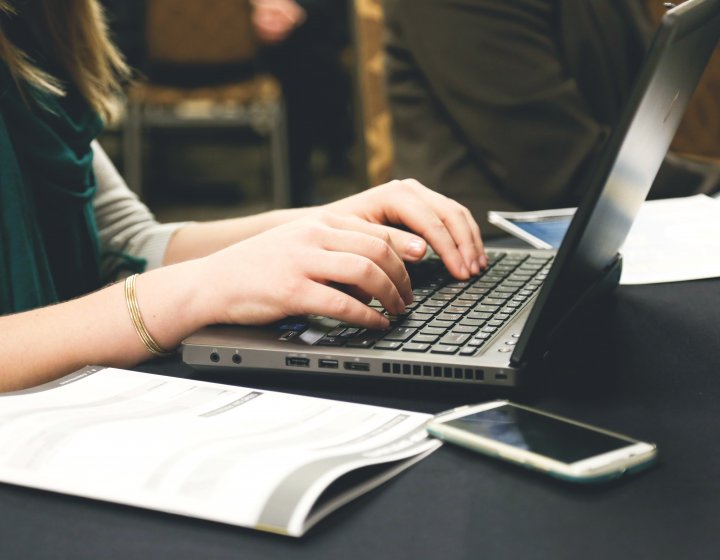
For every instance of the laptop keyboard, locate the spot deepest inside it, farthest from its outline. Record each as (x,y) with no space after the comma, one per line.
(452,317)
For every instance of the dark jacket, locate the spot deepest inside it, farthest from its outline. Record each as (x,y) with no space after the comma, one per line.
(502,105)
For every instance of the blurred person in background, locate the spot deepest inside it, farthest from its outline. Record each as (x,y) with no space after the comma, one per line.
(304,41)
(503,105)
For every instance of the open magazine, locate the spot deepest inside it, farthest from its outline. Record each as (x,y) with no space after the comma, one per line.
(258,459)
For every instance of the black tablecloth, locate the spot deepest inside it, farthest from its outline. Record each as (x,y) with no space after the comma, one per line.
(650,368)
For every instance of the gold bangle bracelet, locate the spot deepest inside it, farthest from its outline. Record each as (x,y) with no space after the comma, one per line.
(137,320)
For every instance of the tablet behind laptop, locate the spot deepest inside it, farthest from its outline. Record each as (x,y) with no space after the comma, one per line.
(493,328)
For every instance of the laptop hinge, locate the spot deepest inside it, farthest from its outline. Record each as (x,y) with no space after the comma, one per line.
(606,283)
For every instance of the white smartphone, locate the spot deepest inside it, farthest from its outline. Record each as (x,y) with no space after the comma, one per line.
(558,446)
(543,229)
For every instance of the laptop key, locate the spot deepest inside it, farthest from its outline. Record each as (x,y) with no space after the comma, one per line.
(361,342)
(466,322)
(454,310)
(422,292)
(452,318)
(331,341)
(416,316)
(412,324)
(425,338)
(400,334)
(454,339)
(479,316)
(425,310)
(415,347)
(388,345)
(432,330)
(472,294)
(443,349)
(462,304)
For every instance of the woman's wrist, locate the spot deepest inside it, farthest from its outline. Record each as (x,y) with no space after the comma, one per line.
(175,301)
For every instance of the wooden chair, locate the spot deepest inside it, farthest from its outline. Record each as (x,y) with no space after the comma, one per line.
(369,31)
(191,41)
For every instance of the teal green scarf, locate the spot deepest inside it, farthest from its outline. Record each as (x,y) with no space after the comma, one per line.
(49,248)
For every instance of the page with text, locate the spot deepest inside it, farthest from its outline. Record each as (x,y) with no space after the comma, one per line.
(249,457)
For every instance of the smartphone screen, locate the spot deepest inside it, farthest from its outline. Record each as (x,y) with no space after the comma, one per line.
(544,435)
(550,230)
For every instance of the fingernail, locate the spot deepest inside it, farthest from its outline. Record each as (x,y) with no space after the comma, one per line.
(464,271)
(416,247)
(483,261)
(475,268)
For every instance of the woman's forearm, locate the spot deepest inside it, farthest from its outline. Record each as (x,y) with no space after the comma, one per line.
(203,238)
(43,344)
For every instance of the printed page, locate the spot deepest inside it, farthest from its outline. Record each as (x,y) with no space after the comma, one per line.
(671,240)
(242,456)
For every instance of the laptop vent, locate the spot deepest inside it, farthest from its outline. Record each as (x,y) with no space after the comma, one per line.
(469,374)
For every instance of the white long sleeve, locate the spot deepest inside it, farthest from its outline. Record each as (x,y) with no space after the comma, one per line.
(126,226)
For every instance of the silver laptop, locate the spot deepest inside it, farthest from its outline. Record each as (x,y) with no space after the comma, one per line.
(495,327)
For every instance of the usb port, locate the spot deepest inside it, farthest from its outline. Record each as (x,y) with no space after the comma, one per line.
(357,366)
(297,361)
(328,364)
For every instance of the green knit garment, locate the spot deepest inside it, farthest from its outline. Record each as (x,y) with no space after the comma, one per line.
(49,246)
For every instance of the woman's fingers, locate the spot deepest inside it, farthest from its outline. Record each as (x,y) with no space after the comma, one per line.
(281,270)
(440,221)
(458,221)
(365,261)
(443,223)
(335,260)
(320,299)
(408,246)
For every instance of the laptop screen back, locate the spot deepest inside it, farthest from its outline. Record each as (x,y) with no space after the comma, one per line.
(625,170)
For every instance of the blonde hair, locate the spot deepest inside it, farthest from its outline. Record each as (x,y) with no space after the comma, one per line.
(78,34)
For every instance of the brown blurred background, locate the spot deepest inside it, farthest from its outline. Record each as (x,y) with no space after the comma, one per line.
(222,123)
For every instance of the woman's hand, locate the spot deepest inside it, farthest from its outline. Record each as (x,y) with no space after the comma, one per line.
(325,264)
(445,224)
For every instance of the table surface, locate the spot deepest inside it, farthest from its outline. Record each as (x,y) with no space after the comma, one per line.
(649,367)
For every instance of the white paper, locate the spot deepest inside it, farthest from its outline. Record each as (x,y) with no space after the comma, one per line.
(242,456)
(671,240)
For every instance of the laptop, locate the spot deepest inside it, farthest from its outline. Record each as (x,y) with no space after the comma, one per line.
(492,329)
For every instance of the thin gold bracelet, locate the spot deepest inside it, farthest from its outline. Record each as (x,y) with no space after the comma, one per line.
(137,320)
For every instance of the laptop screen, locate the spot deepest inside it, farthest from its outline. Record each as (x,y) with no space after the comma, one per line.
(625,169)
